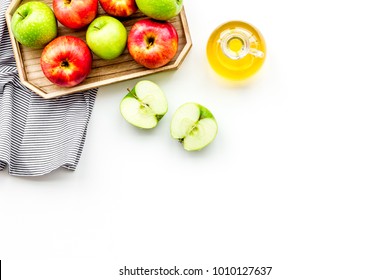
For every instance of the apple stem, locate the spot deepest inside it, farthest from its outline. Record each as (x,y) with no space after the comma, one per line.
(23,17)
(143,104)
(150,42)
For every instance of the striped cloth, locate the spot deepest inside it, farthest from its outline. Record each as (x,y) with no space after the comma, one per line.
(37,135)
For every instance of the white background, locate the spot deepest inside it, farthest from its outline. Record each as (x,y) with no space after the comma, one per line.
(296,179)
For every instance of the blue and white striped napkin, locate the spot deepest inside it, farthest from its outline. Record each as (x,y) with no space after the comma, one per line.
(37,135)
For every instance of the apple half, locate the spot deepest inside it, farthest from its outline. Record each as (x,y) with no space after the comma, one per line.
(144,105)
(194,126)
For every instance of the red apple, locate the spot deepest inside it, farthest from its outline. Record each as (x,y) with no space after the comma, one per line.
(152,43)
(75,14)
(119,8)
(66,61)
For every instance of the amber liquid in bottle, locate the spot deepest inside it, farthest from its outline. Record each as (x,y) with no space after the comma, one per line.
(236,50)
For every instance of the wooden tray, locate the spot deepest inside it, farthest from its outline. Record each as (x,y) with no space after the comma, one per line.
(104,72)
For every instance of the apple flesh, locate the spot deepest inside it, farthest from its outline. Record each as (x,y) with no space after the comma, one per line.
(119,8)
(66,61)
(160,9)
(194,126)
(34,24)
(152,43)
(144,105)
(107,36)
(75,14)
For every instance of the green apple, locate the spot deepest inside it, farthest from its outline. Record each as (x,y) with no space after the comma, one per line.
(144,105)
(194,126)
(33,24)
(106,37)
(160,9)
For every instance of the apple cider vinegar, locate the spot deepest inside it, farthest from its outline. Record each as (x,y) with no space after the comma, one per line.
(236,50)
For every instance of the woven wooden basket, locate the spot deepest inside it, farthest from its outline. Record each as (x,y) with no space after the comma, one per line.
(104,72)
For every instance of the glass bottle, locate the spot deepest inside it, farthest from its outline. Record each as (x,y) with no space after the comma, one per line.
(236,50)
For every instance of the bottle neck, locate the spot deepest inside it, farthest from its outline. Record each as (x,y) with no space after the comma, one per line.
(236,44)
